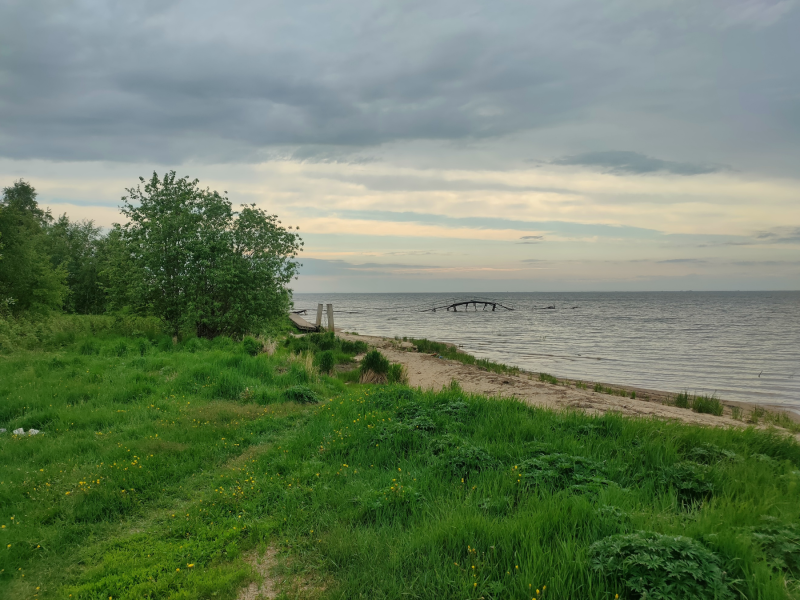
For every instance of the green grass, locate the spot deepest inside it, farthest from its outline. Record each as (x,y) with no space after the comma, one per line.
(162,467)
(548,378)
(599,387)
(451,352)
(699,404)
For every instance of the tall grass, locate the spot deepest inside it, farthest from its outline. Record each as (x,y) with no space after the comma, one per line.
(451,352)
(159,470)
(700,404)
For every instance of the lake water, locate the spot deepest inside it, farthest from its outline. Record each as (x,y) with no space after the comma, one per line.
(737,345)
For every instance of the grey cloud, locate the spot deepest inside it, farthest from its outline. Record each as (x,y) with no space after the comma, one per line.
(410,183)
(766,263)
(780,235)
(532,237)
(131,81)
(691,261)
(633,163)
(328,155)
(178,81)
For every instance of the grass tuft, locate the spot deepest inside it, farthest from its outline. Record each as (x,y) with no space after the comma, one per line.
(452,353)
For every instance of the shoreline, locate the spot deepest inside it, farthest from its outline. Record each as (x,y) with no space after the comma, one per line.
(427,371)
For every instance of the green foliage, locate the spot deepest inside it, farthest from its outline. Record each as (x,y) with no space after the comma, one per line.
(80,249)
(781,543)
(251,345)
(548,378)
(558,471)
(451,352)
(699,404)
(301,394)
(356,347)
(464,459)
(397,374)
(328,350)
(661,567)
(707,405)
(28,280)
(375,362)
(709,454)
(193,261)
(683,400)
(691,482)
(325,361)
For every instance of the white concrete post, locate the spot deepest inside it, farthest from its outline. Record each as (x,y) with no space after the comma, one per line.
(319,315)
(330,318)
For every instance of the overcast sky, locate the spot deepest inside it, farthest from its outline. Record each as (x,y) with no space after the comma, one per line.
(434,146)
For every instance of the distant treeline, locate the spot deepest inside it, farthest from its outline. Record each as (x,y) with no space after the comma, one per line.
(182,255)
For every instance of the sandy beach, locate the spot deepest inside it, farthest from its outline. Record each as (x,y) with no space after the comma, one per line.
(428,372)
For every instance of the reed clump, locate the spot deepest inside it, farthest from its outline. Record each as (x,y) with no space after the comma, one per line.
(699,404)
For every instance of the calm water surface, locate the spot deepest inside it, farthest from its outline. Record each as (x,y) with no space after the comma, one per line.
(737,345)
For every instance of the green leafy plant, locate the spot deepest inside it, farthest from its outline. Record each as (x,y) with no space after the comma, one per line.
(709,454)
(707,405)
(449,351)
(756,415)
(683,400)
(89,347)
(692,482)
(397,373)
(251,345)
(376,362)
(661,567)
(300,394)
(120,348)
(781,543)
(461,458)
(558,471)
(354,347)
(29,281)
(548,378)
(185,256)
(325,361)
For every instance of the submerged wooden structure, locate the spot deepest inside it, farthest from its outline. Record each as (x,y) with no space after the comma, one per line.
(453,305)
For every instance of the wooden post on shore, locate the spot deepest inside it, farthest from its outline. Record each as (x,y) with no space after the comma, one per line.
(319,316)
(330,318)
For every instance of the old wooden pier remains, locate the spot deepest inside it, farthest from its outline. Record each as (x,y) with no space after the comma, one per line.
(455,304)
(452,304)
(305,326)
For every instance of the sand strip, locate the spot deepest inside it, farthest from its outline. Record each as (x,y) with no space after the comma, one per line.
(428,372)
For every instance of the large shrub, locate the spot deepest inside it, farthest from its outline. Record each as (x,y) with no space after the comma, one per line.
(187,257)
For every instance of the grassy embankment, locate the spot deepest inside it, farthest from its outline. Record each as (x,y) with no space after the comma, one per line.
(162,467)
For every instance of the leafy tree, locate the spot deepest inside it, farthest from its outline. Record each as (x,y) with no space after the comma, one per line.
(28,280)
(186,256)
(79,248)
